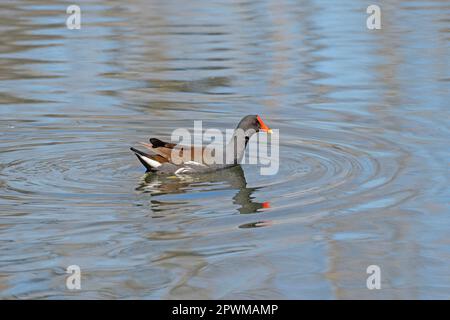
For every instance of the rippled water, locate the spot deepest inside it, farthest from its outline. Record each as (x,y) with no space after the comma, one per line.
(364,131)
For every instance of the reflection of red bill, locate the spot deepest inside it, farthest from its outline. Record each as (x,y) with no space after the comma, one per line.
(266,204)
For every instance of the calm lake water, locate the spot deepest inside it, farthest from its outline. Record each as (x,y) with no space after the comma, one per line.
(364,149)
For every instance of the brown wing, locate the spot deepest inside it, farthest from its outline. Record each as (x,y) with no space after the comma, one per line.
(166,150)
(156,143)
(159,158)
(161,148)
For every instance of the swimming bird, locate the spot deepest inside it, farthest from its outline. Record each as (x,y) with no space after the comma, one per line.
(169,158)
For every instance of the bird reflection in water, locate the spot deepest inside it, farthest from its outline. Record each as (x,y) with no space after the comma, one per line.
(231,179)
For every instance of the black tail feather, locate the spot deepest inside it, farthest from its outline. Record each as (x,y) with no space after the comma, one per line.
(139,154)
